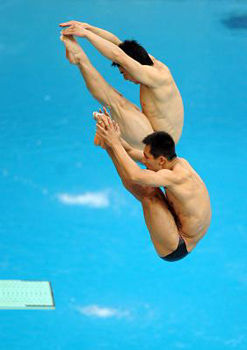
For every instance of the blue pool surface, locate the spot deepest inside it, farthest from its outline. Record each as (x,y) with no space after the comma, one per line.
(65,216)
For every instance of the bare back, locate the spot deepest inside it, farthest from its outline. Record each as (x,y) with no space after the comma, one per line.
(189,198)
(163,105)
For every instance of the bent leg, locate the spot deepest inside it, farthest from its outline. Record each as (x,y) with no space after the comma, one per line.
(160,222)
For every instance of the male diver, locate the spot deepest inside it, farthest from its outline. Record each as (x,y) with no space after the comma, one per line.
(161,102)
(176,218)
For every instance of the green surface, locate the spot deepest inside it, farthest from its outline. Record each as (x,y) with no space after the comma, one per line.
(26,295)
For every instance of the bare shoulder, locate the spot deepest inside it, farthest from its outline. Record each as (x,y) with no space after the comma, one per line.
(187,165)
(171,177)
(181,171)
(188,170)
(160,65)
(184,163)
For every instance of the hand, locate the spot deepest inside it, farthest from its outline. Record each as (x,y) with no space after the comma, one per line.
(107,129)
(75,28)
(97,139)
(67,24)
(73,49)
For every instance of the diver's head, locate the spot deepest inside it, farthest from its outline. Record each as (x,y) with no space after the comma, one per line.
(126,75)
(133,49)
(159,152)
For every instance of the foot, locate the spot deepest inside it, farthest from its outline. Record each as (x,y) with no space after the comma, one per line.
(72,48)
(70,57)
(97,139)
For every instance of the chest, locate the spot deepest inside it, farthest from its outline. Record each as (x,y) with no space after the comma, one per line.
(146,99)
(170,198)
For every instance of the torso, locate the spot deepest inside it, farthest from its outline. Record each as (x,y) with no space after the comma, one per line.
(163,105)
(190,201)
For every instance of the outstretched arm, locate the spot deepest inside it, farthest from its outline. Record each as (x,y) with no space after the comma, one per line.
(105,35)
(98,31)
(144,74)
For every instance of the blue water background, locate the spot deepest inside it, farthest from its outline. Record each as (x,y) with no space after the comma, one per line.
(103,256)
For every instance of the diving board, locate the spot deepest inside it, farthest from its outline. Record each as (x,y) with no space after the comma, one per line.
(24,295)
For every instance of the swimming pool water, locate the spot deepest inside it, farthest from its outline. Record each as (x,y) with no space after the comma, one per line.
(110,288)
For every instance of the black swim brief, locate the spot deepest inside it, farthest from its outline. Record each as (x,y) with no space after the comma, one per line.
(179,253)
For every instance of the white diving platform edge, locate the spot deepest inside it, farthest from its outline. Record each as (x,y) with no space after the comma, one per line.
(26,295)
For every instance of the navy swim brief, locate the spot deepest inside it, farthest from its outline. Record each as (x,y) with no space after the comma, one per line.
(179,253)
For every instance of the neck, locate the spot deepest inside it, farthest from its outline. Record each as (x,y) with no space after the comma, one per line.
(170,165)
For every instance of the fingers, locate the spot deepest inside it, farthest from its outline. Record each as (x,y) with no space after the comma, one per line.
(107,121)
(115,125)
(69,23)
(107,118)
(98,140)
(74,28)
(95,116)
(105,111)
(104,119)
(99,134)
(101,119)
(68,31)
(101,128)
(66,24)
(65,37)
(102,124)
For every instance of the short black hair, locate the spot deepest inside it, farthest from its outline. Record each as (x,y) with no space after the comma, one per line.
(133,49)
(161,144)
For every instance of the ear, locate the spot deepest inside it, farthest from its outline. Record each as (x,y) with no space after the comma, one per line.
(162,160)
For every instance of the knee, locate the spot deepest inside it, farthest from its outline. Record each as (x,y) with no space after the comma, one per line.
(150,199)
(126,183)
(147,200)
(153,195)
(129,186)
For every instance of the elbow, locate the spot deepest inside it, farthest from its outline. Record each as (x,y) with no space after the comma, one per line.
(135,177)
(130,178)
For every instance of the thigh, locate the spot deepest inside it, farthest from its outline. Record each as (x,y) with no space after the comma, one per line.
(138,191)
(160,223)
(134,125)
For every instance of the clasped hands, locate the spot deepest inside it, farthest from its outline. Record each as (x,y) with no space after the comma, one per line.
(75,28)
(108,130)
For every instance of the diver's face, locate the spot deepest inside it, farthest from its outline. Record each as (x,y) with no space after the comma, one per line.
(126,75)
(149,161)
